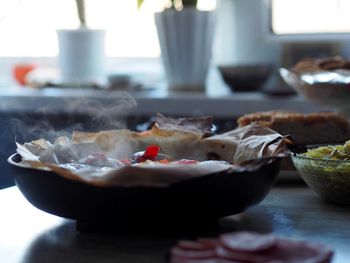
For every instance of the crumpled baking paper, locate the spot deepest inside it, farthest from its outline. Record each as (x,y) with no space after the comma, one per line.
(241,149)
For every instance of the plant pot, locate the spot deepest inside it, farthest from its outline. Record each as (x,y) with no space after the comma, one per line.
(81,56)
(185,39)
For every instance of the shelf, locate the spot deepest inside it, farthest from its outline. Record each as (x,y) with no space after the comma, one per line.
(80,101)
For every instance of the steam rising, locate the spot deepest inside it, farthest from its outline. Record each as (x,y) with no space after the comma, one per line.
(62,117)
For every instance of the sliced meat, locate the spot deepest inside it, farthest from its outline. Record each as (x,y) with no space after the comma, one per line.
(248,242)
(236,256)
(193,254)
(247,247)
(300,251)
(209,242)
(194,245)
(212,260)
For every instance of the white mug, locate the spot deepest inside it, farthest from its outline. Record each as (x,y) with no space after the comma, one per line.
(81,56)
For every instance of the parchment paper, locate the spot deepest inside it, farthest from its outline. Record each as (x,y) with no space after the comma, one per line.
(245,148)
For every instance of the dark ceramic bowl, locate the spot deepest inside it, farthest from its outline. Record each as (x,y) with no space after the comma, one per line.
(245,77)
(199,200)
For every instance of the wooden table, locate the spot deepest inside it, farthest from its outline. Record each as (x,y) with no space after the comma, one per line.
(30,235)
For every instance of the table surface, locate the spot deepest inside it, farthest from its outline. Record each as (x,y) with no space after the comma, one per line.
(30,235)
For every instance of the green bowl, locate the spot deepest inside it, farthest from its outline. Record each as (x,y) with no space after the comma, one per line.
(329,179)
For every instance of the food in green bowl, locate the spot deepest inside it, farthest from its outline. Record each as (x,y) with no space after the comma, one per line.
(332,152)
(326,170)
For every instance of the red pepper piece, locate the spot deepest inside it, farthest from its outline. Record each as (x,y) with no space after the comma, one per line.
(151,152)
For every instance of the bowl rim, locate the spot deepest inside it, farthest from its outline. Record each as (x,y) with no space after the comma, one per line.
(20,164)
(250,66)
(301,156)
(262,164)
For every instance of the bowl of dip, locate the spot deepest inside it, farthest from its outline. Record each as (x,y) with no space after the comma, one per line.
(326,170)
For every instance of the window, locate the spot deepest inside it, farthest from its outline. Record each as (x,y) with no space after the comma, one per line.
(27,27)
(310,16)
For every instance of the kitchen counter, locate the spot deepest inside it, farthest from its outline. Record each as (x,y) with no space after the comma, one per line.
(220,103)
(30,235)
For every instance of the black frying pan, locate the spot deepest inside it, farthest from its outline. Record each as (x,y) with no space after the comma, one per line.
(194,201)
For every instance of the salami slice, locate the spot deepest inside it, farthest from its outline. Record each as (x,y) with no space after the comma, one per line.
(194,254)
(247,247)
(236,256)
(212,260)
(194,245)
(249,242)
(300,251)
(209,242)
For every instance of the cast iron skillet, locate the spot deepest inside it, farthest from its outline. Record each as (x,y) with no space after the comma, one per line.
(194,201)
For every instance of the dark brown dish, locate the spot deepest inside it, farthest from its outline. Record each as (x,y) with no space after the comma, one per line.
(197,200)
(245,77)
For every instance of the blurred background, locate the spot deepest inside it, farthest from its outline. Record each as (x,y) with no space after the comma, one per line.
(247,32)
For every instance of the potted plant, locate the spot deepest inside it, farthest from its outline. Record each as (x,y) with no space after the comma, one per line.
(185,37)
(81,52)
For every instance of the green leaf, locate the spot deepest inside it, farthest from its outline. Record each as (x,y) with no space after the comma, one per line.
(81,12)
(139,3)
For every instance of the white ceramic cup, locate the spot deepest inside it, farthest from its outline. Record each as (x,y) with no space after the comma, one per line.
(81,56)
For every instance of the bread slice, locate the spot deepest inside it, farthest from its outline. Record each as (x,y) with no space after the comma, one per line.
(307,129)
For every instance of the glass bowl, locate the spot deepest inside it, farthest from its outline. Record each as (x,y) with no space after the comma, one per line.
(329,179)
